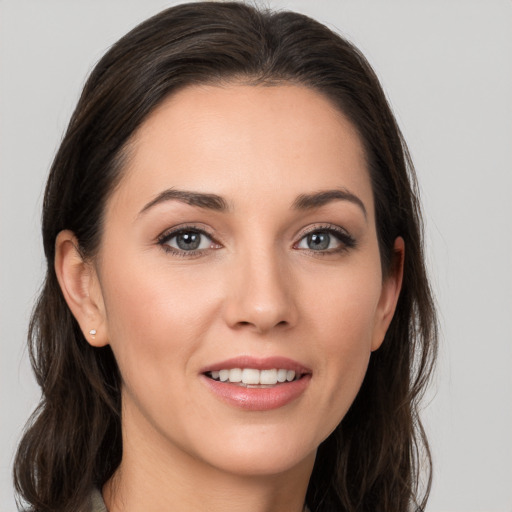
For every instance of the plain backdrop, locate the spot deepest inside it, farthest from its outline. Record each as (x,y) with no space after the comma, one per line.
(446,67)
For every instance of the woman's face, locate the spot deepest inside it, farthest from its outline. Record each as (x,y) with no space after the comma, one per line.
(241,244)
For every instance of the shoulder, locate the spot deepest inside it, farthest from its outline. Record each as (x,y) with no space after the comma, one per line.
(97,503)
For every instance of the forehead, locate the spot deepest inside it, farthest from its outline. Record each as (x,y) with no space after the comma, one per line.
(239,141)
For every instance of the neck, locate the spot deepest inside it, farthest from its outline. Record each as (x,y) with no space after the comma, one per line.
(156,476)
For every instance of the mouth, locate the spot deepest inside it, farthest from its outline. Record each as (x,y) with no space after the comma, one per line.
(256,384)
(255,378)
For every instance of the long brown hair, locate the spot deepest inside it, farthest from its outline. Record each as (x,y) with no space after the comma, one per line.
(73,440)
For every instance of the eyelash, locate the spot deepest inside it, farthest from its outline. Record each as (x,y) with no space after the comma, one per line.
(346,241)
(164,238)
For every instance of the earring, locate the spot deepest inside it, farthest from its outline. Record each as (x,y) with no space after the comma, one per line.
(92,332)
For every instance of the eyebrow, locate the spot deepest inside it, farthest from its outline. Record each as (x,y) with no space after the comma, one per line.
(323,197)
(199,199)
(218,203)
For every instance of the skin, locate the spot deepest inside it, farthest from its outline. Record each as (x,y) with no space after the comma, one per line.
(256,287)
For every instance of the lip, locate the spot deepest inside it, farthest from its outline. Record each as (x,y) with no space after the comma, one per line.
(266,363)
(258,399)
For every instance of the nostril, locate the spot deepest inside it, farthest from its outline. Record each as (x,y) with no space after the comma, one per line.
(244,323)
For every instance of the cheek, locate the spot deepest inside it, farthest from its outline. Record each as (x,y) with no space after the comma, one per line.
(343,307)
(342,319)
(156,318)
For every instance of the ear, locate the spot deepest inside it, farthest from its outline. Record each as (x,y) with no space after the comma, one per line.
(391,286)
(80,286)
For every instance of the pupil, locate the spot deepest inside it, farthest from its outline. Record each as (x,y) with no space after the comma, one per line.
(188,241)
(318,241)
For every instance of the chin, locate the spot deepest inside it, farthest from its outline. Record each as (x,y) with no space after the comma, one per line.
(261,453)
(264,464)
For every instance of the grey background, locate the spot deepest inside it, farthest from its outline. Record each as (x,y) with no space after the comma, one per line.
(447,69)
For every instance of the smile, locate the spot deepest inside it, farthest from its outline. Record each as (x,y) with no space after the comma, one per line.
(254,377)
(257,384)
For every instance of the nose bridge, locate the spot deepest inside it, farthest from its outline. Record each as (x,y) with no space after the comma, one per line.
(261,291)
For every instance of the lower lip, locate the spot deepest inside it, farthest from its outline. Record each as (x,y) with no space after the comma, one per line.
(258,399)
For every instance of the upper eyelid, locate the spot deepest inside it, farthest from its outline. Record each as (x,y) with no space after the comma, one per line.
(174,231)
(322,227)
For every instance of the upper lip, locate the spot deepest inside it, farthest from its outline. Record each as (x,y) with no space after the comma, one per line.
(265,363)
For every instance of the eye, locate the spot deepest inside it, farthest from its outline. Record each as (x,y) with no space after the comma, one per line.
(326,240)
(186,240)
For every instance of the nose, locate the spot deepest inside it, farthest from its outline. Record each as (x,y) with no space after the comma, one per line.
(261,295)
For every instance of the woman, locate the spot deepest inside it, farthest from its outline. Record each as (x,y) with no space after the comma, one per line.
(236,312)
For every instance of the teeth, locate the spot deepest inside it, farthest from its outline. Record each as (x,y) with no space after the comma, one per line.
(235,375)
(281,375)
(250,376)
(253,377)
(268,377)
